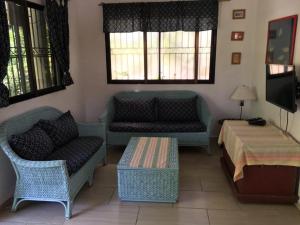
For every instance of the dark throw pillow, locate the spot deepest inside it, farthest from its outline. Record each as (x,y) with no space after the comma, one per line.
(62,130)
(134,110)
(34,145)
(177,109)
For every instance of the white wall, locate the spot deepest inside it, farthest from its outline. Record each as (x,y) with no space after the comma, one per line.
(70,98)
(93,64)
(87,98)
(268,10)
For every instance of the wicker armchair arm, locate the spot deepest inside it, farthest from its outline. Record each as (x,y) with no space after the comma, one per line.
(51,173)
(103,117)
(43,179)
(209,124)
(205,115)
(18,161)
(40,164)
(107,116)
(91,129)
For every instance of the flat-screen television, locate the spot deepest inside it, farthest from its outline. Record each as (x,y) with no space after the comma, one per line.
(281,86)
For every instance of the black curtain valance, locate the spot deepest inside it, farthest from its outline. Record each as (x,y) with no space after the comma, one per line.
(160,16)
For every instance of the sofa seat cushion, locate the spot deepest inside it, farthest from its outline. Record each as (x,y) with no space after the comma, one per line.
(157,127)
(77,152)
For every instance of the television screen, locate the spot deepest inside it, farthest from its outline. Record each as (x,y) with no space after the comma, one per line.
(281,86)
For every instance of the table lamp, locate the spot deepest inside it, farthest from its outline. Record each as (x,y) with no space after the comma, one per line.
(243,93)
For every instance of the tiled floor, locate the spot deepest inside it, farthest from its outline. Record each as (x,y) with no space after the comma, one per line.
(205,199)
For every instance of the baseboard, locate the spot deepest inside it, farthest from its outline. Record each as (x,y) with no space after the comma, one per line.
(214,136)
(6,204)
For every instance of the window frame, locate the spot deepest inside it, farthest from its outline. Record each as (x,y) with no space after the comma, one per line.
(211,79)
(34,92)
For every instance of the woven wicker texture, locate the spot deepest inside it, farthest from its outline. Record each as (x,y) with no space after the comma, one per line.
(184,137)
(48,180)
(148,184)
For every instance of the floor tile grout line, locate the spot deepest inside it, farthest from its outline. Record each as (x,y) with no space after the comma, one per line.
(208,217)
(201,185)
(229,209)
(137,216)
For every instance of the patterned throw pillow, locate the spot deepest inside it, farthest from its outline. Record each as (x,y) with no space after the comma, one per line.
(177,109)
(33,145)
(134,110)
(62,130)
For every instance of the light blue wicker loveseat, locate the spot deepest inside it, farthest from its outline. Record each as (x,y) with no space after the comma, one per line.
(195,138)
(48,180)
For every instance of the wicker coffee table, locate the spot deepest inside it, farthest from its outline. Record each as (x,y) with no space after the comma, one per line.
(148,170)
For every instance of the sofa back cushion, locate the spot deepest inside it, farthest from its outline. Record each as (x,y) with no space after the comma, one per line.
(62,130)
(177,109)
(134,109)
(33,145)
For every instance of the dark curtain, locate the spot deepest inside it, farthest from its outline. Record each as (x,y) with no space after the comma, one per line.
(198,15)
(4,54)
(57,20)
(124,17)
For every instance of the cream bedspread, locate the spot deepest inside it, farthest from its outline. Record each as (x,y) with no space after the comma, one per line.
(255,145)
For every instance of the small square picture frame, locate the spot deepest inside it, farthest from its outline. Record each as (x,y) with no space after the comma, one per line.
(236,58)
(237,35)
(238,14)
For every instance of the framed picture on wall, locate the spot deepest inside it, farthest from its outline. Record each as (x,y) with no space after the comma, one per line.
(281,40)
(237,35)
(236,58)
(238,14)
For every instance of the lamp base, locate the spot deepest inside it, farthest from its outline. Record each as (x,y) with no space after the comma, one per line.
(242,103)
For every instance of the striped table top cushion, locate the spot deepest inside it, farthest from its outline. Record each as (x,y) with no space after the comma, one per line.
(148,152)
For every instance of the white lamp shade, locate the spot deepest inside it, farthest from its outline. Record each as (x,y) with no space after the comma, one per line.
(242,93)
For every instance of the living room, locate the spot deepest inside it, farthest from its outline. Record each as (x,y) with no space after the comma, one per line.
(93,87)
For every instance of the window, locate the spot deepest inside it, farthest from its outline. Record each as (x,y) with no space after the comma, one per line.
(161,57)
(161,42)
(32,70)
